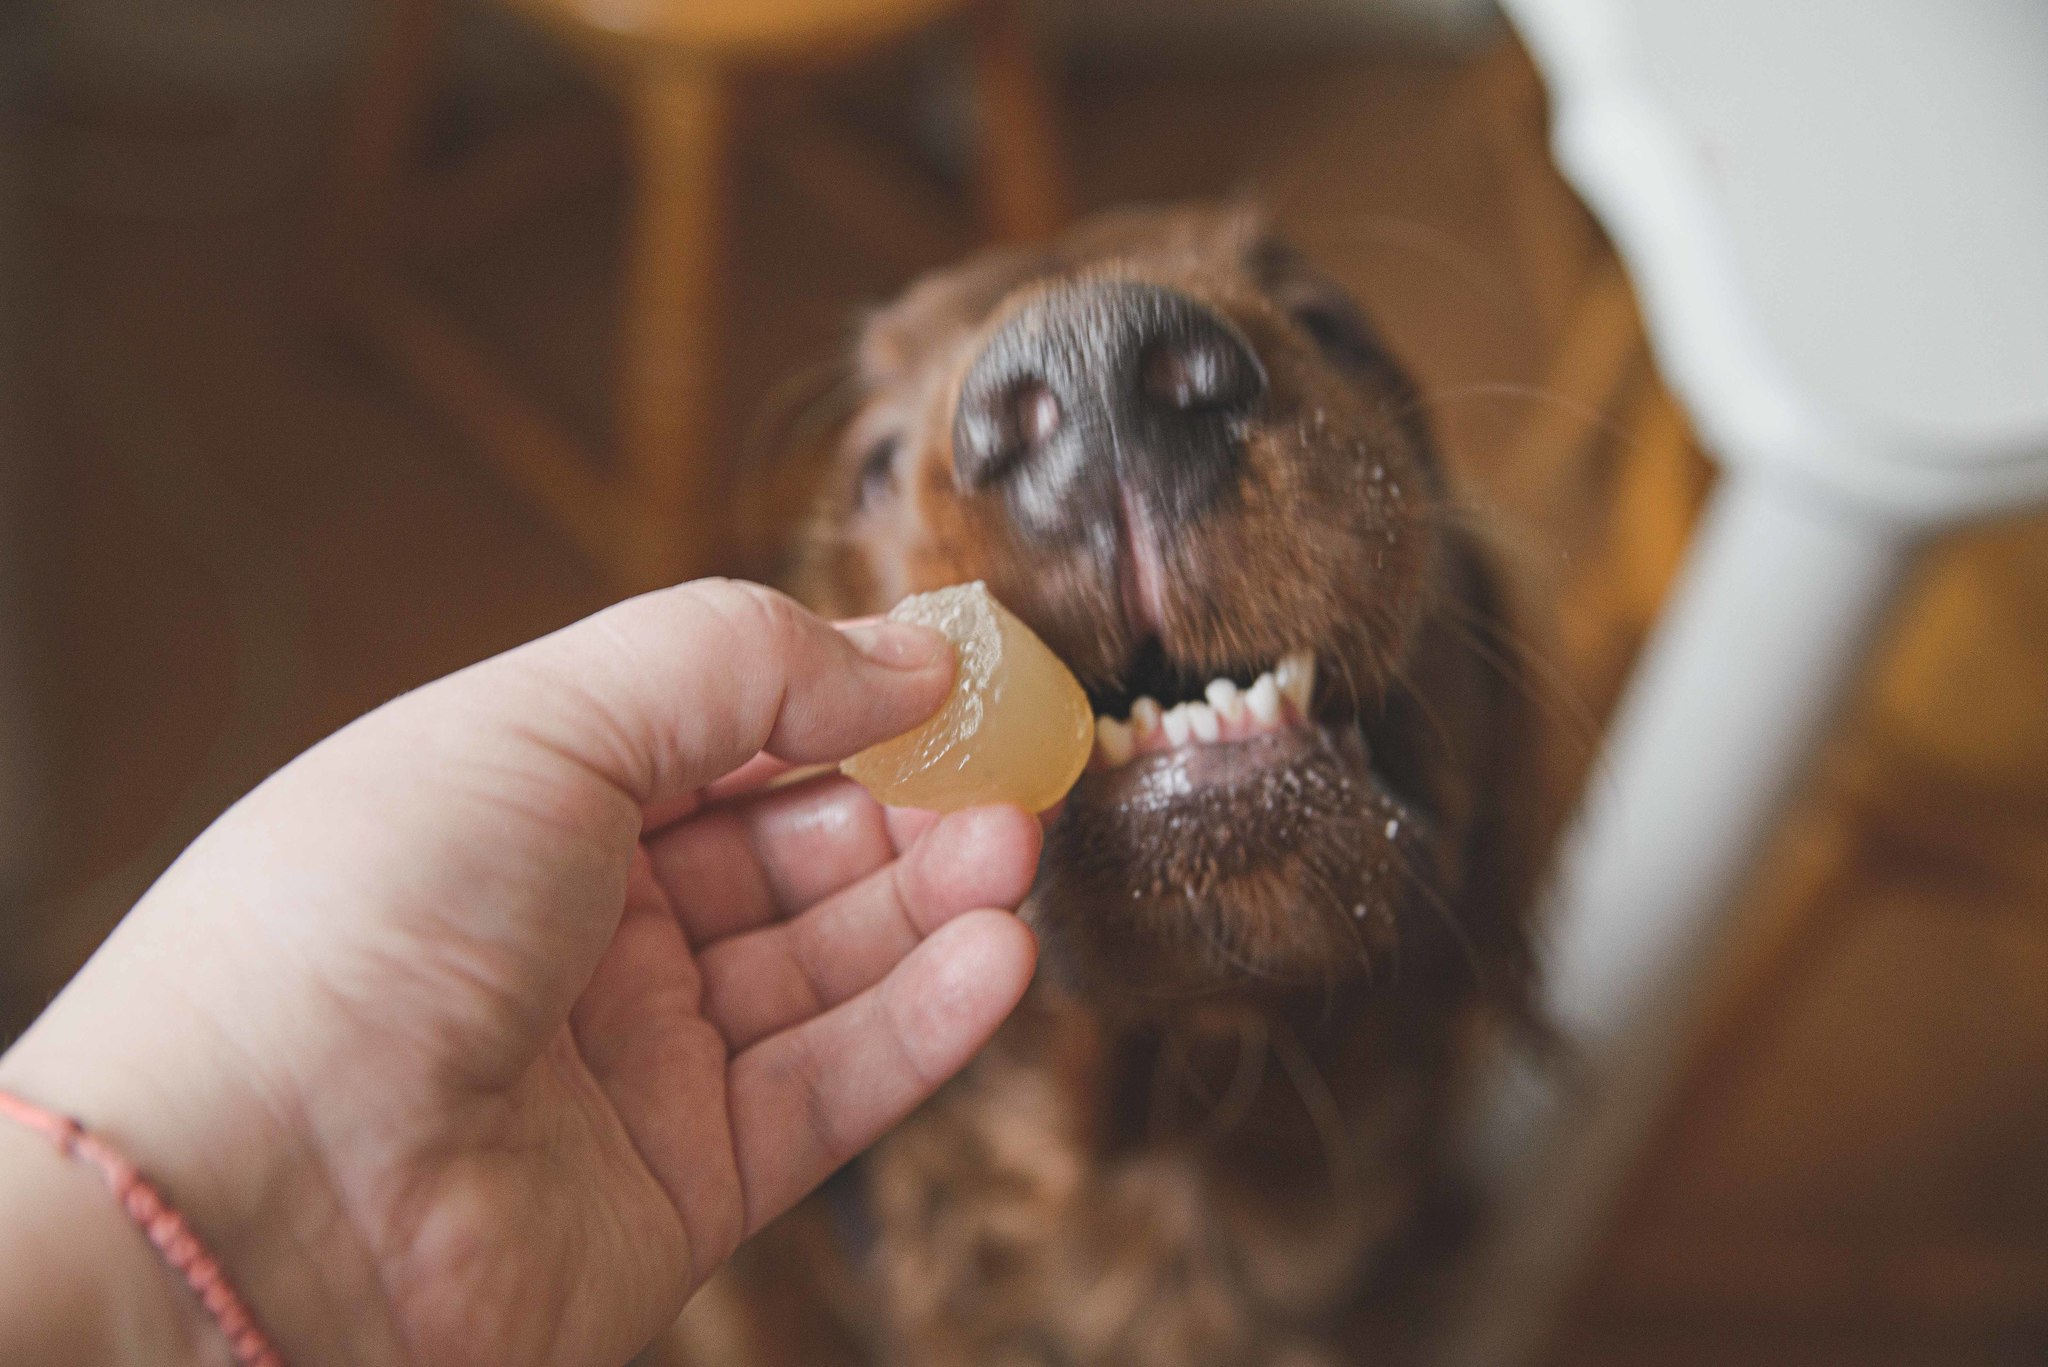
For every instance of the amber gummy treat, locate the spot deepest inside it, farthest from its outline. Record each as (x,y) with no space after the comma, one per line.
(1016,727)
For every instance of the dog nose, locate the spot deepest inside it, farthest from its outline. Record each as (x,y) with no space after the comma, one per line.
(1099,391)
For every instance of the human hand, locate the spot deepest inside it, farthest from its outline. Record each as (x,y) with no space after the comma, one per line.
(477,1034)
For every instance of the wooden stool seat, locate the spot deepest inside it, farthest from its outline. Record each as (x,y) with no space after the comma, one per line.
(663,507)
(743,30)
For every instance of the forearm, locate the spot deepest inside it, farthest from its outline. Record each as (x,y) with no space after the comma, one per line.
(78,1282)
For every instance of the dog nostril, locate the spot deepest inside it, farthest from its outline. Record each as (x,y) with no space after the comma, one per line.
(1034,413)
(1098,385)
(1004,423)
(1198,374)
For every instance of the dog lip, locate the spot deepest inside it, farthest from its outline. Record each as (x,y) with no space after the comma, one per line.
(1158,780)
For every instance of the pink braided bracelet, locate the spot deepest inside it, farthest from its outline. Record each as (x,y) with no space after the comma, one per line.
(161,1224)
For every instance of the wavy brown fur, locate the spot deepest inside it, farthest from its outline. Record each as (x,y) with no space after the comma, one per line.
(1214,1133)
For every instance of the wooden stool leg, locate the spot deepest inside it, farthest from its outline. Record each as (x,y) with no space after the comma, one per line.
(676,489)
(1023,183)
(385,113)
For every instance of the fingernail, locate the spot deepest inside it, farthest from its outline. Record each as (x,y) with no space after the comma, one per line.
(899,645)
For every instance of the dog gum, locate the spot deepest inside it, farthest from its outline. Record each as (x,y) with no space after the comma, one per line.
(1016,727)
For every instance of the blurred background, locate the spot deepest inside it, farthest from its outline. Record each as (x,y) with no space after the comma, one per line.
(261,469)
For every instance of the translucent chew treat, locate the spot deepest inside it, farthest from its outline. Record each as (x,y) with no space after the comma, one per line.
(1016,728)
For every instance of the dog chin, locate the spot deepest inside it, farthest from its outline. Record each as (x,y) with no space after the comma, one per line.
(1270,863)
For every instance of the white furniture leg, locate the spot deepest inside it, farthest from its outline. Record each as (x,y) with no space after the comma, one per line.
(1783,589)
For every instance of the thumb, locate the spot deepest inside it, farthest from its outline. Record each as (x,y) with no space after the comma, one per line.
(661,694)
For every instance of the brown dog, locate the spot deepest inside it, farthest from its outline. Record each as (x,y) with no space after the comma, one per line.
(1214,1132)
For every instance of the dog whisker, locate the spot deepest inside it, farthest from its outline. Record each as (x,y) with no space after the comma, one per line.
(1346,1181)
(805,405)
(1182,456)
(1435,902)
(1562,701)
(1464,263)
(1246,1080)
(1169,1065)
(1426,403)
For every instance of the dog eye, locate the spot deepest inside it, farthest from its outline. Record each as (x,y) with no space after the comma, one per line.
(877,472)
(1339,332)
(1330,328)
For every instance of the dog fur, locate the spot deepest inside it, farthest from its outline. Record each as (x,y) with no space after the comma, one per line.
(1215,1132)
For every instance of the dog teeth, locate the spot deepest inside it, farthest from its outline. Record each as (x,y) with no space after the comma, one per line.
(1262,700)
(1177,726)
(1224,696)
(1296,677)
(1275,699)
(1114,743)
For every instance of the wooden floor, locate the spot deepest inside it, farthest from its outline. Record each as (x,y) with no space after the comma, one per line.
(236,533)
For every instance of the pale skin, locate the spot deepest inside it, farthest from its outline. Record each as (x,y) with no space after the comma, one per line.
(487,1029)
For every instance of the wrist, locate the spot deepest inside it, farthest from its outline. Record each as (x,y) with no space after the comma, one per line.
(78,1282)
(251,1189)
